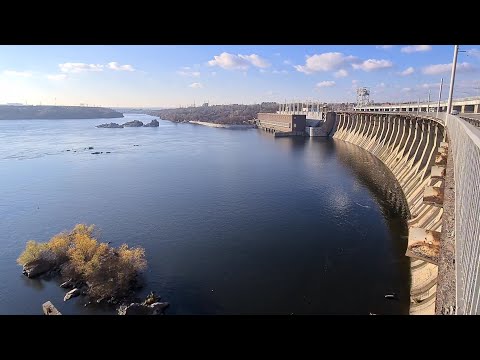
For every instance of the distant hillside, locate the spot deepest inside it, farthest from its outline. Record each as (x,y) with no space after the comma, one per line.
(136,110)
(219,114)
(11,112)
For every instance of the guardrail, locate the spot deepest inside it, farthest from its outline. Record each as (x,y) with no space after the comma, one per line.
(474,122)
(465,144)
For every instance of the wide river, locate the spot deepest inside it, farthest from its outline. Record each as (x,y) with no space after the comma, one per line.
(232,221)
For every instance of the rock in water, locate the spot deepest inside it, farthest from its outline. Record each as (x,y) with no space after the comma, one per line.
(110,126)
(392,296)
(72,293)
(133,309)
(67,284)
(157,308)
(151,298)
(153,123)
(134,123)
(36,267)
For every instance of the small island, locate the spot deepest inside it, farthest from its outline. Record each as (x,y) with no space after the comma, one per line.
(134,123)
(24,112)
(153,123)
(98,271)
(110,126)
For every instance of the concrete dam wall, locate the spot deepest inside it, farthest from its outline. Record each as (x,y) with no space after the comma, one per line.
(412,148)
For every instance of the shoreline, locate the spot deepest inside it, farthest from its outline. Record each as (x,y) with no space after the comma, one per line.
(225,126)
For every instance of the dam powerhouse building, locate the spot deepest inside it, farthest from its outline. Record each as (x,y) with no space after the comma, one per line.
(272,122)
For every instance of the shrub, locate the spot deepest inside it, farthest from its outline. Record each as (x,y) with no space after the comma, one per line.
(59,245)
(33,251)
(107,271)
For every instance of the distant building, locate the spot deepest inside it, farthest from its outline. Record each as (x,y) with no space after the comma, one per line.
(205,104)
(281,122)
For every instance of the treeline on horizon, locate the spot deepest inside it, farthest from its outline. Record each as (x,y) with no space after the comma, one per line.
(17,112)
(219,114)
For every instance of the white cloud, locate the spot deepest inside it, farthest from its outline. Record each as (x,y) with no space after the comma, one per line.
(262,71)
(323,84)
(256,60)
(385,47)
(287,62)
(324,62)
(71,67)
(406,89)
(229,62)
(416,48)
(474,52)
(279,72)
(408,71)
(373,64)
(213,73)
(57,77)
(437,69)
(196,85)
(341,73)
(17,73)
(238,62)
(445,68)
(187,71)
(79,67)
(381,85)
(354,82)
(117,67)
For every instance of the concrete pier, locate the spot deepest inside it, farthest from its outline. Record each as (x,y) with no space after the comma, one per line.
(49,309)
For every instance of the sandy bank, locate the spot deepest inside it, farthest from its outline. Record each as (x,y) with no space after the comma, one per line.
(226,126)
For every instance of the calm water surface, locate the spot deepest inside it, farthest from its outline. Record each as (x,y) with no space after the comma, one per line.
(233,221)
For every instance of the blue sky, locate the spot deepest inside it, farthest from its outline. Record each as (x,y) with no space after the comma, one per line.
(170,75)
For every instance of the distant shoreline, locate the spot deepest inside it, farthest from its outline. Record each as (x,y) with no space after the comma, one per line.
(47,112)
(233,114)
(225,126)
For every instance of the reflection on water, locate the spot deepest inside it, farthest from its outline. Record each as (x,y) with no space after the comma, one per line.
(37,284)
(379,180)
(371,172)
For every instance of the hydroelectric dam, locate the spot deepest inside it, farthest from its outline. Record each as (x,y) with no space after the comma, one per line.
(435,158)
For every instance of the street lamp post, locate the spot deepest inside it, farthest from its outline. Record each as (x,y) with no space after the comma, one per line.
(452,80)
(439,97)
(428,103)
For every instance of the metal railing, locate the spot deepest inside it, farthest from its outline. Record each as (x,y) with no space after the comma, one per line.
(465,146)
(473,121)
